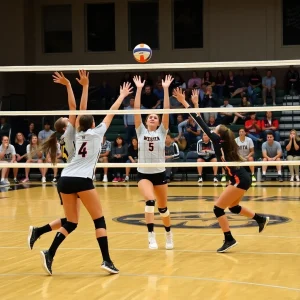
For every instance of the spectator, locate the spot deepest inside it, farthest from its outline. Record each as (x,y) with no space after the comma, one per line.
(271,151)
(119,154)
(149,100)
(269,84)
(104,155)
(129,122)
(292,146)
(148,80)
(212,122)
(21,153)
(58,160)
(190,130)
(225,118)
(132,156)
(177,82)
(229,86)
(171,154)
(270,124)
(159,92)
(253,128)
(4,127)
(241,115)
(208,79)
(254,87)
(220,84)
(240,84)
(31,131)
(292,81)
(246,149)
(7,155)
(44,134)
(209,101)
(34,155)
(206,153)
(195,81)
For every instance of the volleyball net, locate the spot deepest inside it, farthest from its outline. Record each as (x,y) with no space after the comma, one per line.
(171,67)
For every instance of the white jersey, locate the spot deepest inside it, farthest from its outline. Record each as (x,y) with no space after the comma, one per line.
(245,146)
(151,148)
(68,138)
(88,148)
(9,152)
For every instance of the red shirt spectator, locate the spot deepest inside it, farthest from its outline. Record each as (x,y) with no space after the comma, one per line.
(253,125)
(269,123)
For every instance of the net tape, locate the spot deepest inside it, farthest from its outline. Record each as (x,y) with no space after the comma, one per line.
(153,66)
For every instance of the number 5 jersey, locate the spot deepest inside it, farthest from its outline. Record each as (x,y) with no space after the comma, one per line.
(151,148)
(87,151)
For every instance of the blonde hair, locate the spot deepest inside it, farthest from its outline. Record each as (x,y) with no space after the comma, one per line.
(296,134)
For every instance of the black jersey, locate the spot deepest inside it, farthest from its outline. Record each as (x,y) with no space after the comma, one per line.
(218,144)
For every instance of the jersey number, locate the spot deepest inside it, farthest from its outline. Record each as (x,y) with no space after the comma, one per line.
(82,151)
(151,146)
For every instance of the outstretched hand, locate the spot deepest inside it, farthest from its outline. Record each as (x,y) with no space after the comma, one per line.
(83,77)
(168,80)
(60,78)
(179,95)
(126,89)
(138,81)
(195,97)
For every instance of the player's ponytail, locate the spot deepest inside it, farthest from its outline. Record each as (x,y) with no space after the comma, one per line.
(229,145)
(50,147)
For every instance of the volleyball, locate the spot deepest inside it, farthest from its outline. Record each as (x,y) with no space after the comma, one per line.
(142,53)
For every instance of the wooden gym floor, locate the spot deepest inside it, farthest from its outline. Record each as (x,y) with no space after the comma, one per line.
(263,266)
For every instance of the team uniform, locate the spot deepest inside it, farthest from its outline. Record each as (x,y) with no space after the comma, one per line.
(68,142)
(9,152)
(78,175)
(205,151)
(238,176)
(151,149)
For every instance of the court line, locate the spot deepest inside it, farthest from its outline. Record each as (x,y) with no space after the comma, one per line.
(178,233)
(162,277)
(161,250)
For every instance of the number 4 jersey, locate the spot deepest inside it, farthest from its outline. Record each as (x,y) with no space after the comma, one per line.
(151,148)
(87,151)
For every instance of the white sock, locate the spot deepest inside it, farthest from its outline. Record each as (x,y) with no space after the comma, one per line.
(2,179)
(264,172)
(279,172)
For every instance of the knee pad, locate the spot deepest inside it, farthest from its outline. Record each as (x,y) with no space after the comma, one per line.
(100,223)
(69,226)
(164,212)
(63,221)
(149,208)
(219,212)
(235,209)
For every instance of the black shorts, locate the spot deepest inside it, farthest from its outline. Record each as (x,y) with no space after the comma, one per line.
(207,159)
(241,179)
(156,179)
(74,185)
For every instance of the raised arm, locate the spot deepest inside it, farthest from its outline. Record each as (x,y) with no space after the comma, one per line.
(166,83)
(180,96)
(137,101)
(61,79)
(84,81)
(124,92)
